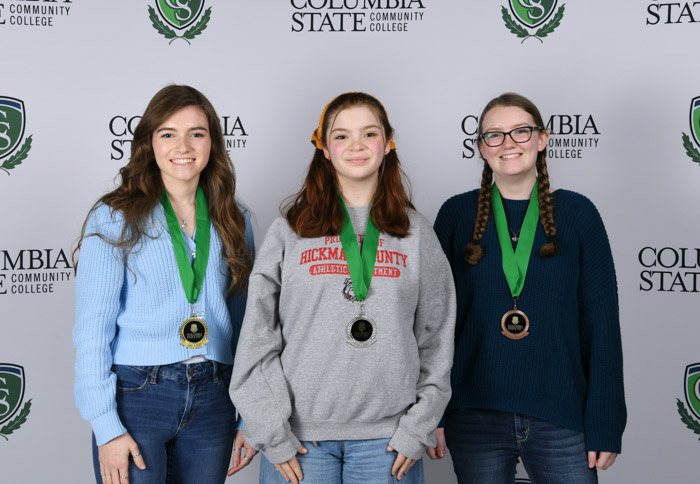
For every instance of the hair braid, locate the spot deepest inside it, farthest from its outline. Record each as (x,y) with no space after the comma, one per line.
(473,250)
(545,201)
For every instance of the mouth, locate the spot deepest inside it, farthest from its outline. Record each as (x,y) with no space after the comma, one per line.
(182,161)
(510,156)
(357,161)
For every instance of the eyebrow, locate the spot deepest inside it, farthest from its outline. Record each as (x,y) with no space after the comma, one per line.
(369,126)
(196,128)
(520,125)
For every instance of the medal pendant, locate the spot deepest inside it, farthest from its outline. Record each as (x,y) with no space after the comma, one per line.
(194,333)
(361,331)
(515,324)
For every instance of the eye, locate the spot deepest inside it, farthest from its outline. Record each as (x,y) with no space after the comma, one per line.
(522,131)
(492,135)
(198,135)
(166,135)
(371,134)
(340,137)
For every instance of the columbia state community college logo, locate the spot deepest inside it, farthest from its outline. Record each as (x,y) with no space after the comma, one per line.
(11,397)
(532,18)
(179,19)
(691,385)
(690,148)
(12,121)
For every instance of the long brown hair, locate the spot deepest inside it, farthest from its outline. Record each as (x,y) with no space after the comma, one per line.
(315,212)
(473,250)
(141,185)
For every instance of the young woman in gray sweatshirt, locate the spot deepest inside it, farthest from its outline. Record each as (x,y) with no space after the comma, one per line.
(343,364)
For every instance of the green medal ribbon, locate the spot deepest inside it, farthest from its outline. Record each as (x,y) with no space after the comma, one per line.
(515,262)
(192,276)
(360,264)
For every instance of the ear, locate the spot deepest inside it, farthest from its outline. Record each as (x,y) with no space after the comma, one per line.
(481,148)
(326,153)
(387,148)
(542,143)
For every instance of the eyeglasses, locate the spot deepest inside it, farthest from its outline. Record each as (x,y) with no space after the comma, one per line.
(521,134)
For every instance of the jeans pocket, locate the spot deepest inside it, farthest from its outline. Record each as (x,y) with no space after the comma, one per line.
(131,379)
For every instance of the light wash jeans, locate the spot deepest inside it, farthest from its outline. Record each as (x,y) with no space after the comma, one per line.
(346,462)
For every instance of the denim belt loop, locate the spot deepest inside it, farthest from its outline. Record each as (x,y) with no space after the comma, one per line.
(154,374)
(215,371)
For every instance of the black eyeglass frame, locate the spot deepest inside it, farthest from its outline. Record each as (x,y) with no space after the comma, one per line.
(509,133)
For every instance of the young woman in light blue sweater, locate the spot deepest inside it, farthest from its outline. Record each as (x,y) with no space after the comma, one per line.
(164,262)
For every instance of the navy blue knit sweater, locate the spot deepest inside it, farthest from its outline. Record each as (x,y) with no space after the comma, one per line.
(568,371)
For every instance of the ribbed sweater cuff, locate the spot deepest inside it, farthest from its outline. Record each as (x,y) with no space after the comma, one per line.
(107,427)
(406,444)
(283,451)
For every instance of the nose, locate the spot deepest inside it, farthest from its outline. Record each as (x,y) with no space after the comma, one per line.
(183,144)
(509,141)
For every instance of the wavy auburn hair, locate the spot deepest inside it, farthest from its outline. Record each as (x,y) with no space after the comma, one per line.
(315,211)
(141,185)
(473,251)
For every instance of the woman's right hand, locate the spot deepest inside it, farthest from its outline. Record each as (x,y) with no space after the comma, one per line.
(291,470)
(114,459)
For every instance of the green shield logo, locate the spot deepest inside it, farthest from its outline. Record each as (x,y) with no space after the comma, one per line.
(11,390)
(692,388)
(180,14)
(695,119)
(532,13)
(12,121)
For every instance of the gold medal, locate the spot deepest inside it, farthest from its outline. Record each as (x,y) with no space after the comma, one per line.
(515,324)
(194,333)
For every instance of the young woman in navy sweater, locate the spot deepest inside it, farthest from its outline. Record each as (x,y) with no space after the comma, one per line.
(537,372)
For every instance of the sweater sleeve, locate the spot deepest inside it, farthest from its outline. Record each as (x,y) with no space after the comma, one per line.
(98,301)
(605,412)
(434,332)
(258,386)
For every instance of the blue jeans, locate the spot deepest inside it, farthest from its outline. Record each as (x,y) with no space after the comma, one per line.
(345,461)
(485,446)
(182,419)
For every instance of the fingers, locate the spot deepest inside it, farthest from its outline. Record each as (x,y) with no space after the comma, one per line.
(291,470)
(592,458)
(440,437)
(398,462)
(605,460)
(438,452)
(402,465)
(302,450)
(241,457)
(137,457)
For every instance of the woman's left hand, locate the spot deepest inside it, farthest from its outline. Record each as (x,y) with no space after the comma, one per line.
(240,459)
(402,464)
(601,460)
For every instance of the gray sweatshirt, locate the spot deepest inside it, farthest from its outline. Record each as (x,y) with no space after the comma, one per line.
(296,375)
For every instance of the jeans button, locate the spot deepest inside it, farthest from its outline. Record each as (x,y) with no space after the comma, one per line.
(190,371)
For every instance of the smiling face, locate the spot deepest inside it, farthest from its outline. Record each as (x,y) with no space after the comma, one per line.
(511,160)
(181,146)
(356,146)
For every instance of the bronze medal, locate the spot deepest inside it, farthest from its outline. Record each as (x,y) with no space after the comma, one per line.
(515,324)
(194,333)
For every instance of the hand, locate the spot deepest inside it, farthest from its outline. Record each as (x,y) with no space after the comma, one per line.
(291,470)
(240,459)
(601,460)
(401,464)
(114,459)
(438,452)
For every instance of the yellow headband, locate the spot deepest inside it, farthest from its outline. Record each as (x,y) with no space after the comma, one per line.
(318,132)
